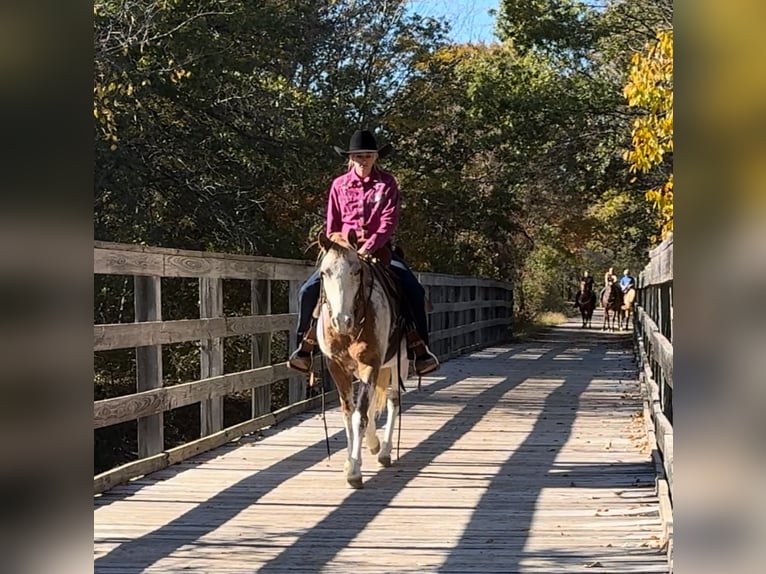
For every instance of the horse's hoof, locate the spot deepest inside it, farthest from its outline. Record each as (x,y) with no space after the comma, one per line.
(375,449)
(355,481)
(384,461)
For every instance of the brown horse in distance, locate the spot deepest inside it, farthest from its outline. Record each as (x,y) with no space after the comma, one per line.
(585,300)
(611,301)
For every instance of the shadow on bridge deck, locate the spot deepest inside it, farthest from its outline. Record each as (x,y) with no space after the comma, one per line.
(524,458)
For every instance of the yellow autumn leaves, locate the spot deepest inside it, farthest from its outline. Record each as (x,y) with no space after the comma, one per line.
(650,88)
(106,101)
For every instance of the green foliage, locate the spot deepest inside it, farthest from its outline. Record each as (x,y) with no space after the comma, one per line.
(215,121)
(622,227)
(557,27)
(546,281)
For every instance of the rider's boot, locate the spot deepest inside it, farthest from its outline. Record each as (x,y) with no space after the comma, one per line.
(425,360)
(302,358)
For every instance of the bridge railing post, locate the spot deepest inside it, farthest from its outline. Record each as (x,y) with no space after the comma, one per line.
(148,307)
(296,387)
(260,345)
(211,353)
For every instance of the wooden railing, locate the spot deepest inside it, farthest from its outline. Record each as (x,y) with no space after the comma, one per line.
(654,349)
(467,313)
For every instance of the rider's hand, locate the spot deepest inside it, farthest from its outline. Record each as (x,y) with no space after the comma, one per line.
(366,256)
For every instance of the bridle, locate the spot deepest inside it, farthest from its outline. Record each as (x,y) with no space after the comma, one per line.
(361,303)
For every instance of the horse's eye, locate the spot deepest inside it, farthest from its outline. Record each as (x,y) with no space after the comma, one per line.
(356,271)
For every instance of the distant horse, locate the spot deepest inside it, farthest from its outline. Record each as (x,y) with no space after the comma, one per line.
(585,300)
(611,301)
(626,310)
(360,333)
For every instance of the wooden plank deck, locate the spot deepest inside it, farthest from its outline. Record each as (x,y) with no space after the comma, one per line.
(526,458)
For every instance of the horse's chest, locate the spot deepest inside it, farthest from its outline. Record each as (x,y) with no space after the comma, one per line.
(351,354)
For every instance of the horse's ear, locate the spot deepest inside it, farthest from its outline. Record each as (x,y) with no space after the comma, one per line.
(351,238)
(324,242)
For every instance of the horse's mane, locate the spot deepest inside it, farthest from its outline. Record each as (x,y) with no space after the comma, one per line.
(340,240)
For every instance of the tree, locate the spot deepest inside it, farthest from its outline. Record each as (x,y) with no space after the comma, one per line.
(650,88)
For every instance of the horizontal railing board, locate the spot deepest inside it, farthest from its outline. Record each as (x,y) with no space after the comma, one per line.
(466,305)
(462,329)
(125,259)
(116,410)
(106,480)
(127,335)
(661,481)
(121,261)
(663,429)
(660,267)
(662,349)
(439,280)
(134,248)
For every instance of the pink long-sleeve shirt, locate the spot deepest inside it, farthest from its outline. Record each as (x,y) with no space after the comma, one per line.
(369,206)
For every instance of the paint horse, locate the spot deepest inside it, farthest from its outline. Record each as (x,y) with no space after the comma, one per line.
(585,300)
(611,301)
(361,335)
(626,310)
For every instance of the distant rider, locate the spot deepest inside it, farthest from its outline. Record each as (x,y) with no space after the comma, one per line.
(626,282)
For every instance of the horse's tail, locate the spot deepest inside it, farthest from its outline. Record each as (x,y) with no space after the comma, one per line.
(380,392)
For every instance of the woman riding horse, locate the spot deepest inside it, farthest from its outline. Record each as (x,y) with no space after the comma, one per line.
(611,300)
(626,311)
(360,332)
(366,200)
(585,300)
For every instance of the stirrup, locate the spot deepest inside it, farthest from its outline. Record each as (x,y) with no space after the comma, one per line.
(426,362)
(301,360)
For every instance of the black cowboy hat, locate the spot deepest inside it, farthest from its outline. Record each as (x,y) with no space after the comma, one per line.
(363,141)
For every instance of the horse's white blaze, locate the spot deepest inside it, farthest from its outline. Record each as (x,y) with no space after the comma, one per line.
(339,292)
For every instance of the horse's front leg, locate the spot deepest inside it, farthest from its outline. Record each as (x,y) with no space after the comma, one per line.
(359,421)
(344,384)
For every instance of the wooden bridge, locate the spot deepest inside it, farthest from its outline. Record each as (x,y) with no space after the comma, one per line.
(549,455)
